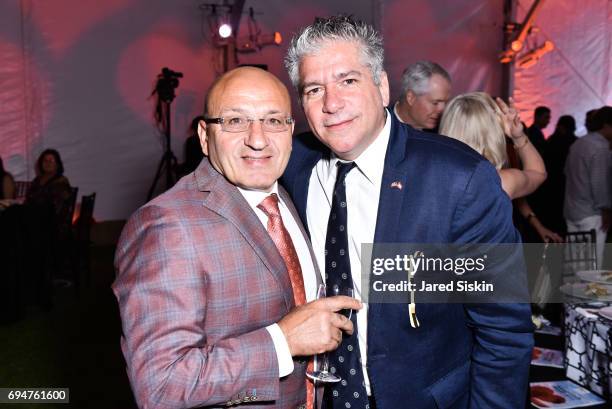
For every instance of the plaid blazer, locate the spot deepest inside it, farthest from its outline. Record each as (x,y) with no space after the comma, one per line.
(198,280)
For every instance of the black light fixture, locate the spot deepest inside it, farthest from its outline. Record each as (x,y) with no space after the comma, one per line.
(224,22)
(518,40)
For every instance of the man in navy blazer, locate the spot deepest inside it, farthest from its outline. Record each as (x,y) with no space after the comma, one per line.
(406,187)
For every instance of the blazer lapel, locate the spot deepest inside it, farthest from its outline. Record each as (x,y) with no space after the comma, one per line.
(225,200)
(394,184)
(388,221)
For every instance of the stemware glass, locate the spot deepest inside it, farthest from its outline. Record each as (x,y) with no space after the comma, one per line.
(320,372)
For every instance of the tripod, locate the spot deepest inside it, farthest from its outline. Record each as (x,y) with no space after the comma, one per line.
(167,82)
(168,160)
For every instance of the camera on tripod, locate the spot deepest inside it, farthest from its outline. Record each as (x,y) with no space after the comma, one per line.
(167,82)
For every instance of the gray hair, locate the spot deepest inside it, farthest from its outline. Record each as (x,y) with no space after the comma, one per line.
(336,28)
(416,76)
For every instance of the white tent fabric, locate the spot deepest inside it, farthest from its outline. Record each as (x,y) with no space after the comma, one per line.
(76,75)
(463,36)
(577,75)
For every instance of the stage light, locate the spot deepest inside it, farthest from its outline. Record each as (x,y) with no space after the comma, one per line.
(252,44)
(506,56)
(525,28)
(532,57)
(269,39)
(246,45)
(516,45)
(225,30)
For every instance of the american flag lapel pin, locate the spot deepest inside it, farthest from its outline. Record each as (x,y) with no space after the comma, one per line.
(397,185)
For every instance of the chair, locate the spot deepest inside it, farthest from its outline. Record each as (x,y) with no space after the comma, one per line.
(65,239)
(21,189)
(580,252)
(71,204)
(65,216)
(82,235)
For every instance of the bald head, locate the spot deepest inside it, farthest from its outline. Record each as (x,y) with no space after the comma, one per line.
(246,133)
(245,80)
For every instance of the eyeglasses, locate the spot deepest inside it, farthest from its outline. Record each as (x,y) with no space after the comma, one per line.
(240,123)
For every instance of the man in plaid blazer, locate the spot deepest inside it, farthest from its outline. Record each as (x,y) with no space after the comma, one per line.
(206,301)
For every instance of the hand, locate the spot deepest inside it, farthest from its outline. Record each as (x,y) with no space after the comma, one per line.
(316,327)
(548,236)
(510,119)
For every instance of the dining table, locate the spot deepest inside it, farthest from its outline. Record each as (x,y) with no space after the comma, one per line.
(588,345)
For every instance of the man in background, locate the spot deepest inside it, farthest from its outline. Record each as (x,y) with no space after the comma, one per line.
(588,186)
(541,119)
(539,201)
(426,88)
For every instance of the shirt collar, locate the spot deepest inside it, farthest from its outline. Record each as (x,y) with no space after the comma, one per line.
(396,113)
(372,160)
(255,197)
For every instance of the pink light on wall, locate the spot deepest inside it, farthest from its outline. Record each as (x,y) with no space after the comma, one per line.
(23,115)
(12,101)
(575,77)
(63,22)
(462,36)
(141,62)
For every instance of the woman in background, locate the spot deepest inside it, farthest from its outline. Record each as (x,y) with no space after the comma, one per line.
(483,124)
(47,223)
(50,188)
(478,121)
(7,184)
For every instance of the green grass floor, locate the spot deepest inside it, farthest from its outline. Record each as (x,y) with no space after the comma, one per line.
(74,345)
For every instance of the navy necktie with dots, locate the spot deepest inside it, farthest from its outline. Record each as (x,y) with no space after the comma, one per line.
(346,360)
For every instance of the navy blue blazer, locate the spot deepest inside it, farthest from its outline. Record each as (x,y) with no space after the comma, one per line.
(462,356)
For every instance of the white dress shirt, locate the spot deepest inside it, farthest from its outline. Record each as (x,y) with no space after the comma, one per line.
(362,195)
(396,113)
(255,197)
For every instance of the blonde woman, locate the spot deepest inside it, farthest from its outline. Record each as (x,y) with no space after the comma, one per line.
(483,124)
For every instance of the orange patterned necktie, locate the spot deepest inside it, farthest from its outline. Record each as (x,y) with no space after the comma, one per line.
(281,238)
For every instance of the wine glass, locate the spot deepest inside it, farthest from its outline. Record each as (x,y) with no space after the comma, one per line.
(320,372)
(349,292)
